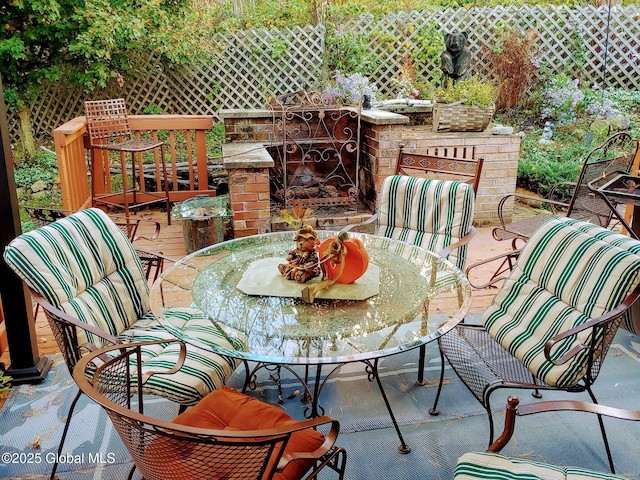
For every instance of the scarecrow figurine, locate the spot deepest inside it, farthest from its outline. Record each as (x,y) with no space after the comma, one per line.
(302,262)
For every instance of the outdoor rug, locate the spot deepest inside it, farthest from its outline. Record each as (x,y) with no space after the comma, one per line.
(32,419)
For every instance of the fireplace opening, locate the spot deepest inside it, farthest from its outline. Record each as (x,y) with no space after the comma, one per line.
(316,153)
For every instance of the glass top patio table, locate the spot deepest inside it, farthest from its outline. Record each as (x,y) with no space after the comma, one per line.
(421,297)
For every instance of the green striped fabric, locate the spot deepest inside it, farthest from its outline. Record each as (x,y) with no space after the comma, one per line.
(568,272)
(202,371)
(430,213)
(85,266)
(493,466)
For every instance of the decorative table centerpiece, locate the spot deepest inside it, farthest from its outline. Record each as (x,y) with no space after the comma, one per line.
(303,262)
(335,268)
(339,259)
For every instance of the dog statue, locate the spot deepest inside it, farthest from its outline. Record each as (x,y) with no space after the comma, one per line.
(456,59)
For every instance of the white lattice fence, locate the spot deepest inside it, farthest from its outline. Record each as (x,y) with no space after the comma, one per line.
(248,66)
(559,29)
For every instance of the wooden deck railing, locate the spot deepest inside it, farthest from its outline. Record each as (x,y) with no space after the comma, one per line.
(184,137)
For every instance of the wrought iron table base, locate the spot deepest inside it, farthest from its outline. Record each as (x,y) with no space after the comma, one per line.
(314,409)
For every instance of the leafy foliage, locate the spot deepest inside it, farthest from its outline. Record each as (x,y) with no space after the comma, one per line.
(561,98)
(92,41)
(472,92)
(513,61)
(348,52)
(42,166)
(4,384)
(34,44)
(543,166)
(351,88)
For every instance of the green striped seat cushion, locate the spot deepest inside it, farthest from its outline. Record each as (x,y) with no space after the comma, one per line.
(493,466)
(202,371)
(430,213)
(85,266)
(568,272)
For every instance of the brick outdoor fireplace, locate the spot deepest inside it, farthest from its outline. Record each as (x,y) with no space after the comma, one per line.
(254,137)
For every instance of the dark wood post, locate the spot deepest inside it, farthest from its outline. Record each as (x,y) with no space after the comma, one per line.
(26,364)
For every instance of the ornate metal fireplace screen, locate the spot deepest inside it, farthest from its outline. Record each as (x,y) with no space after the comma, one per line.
(316,149)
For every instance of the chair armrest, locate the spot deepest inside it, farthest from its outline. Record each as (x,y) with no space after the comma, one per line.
(513,409)
(149,253)
(509,425)
(181,357)
(329,441)
(550,198)
(578,406)
(152,261)
(508,258)
(368,221)
(444,253)
(609,316)
(503,200)
(135,223)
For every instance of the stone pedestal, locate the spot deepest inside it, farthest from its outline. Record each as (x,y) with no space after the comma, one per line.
(248,165)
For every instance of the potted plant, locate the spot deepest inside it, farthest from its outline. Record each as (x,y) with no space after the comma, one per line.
(466,106)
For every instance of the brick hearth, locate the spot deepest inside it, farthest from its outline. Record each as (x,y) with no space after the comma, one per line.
(249,132)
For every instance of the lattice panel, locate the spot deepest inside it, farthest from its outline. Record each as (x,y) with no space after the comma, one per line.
(255,63)
(250,65)
(556,27)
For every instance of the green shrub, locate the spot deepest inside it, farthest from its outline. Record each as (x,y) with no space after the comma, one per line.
(4,384)
(472,92)
(543,166)
(43,166)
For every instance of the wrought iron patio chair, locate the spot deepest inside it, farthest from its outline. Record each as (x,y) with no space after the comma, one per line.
(551,323)
(442,163)
(109,130)
(491,464)
(226,435)
(87,277)
(615,153)
(434,214)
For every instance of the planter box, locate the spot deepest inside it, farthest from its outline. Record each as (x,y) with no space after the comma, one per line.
(454,117)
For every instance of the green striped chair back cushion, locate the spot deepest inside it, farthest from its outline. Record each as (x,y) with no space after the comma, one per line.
(493,466)
(568,272)
(84,265)
(430,213)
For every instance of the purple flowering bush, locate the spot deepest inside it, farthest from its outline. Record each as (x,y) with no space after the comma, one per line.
(603,108)
(350,88)
(560,100)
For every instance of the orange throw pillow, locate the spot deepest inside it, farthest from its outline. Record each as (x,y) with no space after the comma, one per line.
(228,409)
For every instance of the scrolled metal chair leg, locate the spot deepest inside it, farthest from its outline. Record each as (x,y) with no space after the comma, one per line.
(604,434)
(64,434)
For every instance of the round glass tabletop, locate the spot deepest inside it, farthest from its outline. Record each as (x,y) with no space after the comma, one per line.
(416,297)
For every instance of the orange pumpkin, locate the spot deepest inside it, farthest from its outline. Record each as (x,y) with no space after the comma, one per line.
(356,260)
